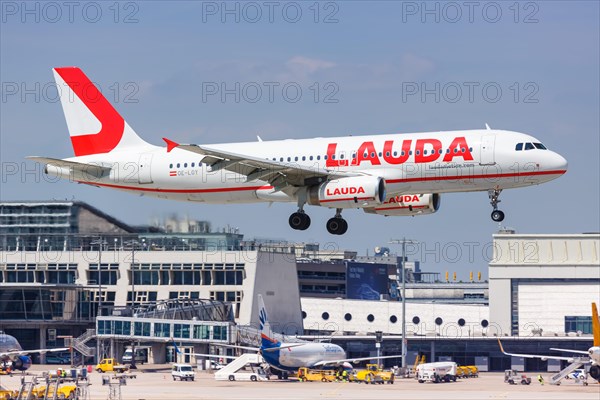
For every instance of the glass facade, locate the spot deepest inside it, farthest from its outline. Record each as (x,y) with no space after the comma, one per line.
(46,304)
(578,324)
(180,330)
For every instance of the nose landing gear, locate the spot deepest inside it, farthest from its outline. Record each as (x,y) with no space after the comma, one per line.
(497,215)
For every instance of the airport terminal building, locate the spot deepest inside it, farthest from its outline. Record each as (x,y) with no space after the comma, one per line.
(68,269)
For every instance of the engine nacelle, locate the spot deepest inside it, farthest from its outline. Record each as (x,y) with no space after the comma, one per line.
(595,372)
(352,192)
(21,363)
(407,205)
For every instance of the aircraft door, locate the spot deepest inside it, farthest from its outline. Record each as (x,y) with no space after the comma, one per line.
(486,152)
(145,168)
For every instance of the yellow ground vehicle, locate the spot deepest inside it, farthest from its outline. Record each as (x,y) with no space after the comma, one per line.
(305,374)
(462,371)
(374,374)
(63,392)
(473,371)
(8,394)
(110,365)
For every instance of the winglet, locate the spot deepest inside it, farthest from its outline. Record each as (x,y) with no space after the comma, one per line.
(595,325)
(259,138)
(170,144)
(487,127)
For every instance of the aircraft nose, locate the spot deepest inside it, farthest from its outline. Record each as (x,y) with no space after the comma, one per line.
(559,163)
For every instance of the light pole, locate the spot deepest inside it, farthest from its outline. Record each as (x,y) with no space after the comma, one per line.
(403,242)
(100,242)
(133,243)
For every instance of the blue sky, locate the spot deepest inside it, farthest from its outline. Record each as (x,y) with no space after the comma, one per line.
(544,58)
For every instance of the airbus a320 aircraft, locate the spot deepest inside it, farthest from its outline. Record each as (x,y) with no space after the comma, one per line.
(289,356)
(391,175)
(593,353)
(13,356)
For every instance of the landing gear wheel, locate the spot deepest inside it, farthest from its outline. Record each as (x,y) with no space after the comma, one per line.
(299,221)
(493,194)
(337,226)
(497,216)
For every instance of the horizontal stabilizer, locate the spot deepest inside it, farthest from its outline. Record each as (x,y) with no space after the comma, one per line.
(94,170)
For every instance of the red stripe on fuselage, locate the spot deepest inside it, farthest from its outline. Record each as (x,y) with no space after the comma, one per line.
(346,199)
(212,190)
(268,187)
(397,208)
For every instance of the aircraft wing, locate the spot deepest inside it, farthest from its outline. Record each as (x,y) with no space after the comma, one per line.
(13,353)
(586,352)
(214,356)
(569,359)
(277,173)
(353,360)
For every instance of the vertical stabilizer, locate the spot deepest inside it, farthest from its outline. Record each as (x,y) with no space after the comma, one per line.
(94,125)
(595,325)
(266,336)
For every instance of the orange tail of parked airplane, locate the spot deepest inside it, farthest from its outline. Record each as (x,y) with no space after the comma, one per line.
(595,325)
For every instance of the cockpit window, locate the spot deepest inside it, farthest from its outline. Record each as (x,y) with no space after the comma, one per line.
(529,146)
(540,146)
(519,147)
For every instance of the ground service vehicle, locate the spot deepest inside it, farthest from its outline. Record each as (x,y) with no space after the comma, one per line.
(436,372)
(63,392)
(473,371)
(512,377)
(306,374)
(141,355)
(462,371)
(467,371)
(110,365)
(372,373)
(8,394)
(184,372)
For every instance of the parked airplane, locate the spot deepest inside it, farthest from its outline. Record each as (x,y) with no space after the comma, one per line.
(391,175)
(289,356)
(14,357)
(593,352)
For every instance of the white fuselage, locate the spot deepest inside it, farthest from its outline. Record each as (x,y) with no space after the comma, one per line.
(307,355)
(458,161)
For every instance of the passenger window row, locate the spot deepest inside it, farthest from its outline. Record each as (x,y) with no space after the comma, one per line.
(366,155)
(185,165)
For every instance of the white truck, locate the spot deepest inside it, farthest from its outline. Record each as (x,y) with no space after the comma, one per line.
(184,372)
(444,371)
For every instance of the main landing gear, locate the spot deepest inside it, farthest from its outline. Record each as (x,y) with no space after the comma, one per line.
(337,225)
(497,215)
(299,220)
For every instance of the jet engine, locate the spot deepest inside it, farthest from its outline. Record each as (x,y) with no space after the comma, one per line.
(407,204)
(595,372)
(21,363)
(352,192)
